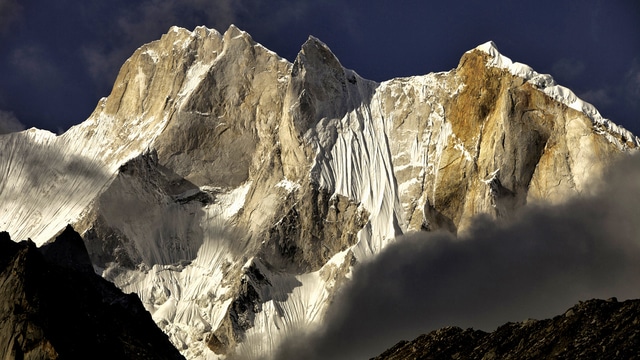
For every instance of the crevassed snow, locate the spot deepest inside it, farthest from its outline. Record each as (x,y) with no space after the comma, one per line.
(48,181)
(44,185)
(546,84)
(355,158)
(297,303)
(417,149)
(189,301)
(359,166)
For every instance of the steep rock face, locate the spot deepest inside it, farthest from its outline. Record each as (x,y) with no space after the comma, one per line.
(234,104)
(233,191)
(311,231)
(55,306)
(594,329)
(479,139)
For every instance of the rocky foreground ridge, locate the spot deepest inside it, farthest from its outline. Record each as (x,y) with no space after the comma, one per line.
(53,306)
(233,191)
(594,329)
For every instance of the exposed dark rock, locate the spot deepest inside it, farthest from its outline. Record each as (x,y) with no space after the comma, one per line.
(316,227)
(68,251)
(242,312)
(106,244)
(595,329)
(52,306)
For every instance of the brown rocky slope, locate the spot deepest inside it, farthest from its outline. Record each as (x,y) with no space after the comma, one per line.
(594,329)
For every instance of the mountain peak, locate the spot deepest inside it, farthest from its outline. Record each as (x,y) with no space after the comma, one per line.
(314,40)
(68,250)
(489,47)
(234,31)
(315,50)
(52,310)
(546,84)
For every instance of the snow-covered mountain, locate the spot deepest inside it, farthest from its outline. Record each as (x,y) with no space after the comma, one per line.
(234,191)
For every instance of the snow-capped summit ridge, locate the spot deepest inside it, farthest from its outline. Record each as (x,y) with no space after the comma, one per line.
(234,32)
(496,59)
(489,47)
(546,84)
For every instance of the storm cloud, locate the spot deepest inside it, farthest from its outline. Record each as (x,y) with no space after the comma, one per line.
(548,259)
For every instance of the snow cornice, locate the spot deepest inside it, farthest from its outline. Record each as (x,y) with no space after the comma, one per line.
(546,84)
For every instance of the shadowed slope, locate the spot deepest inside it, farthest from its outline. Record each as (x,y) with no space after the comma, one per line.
(53,306)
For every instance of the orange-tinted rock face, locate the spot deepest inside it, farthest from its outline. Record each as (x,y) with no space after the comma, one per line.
(478,120)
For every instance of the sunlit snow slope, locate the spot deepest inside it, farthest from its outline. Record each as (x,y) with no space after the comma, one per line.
(234,191)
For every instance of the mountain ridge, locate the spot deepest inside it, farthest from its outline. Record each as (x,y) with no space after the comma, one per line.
(593,329)
(55,306)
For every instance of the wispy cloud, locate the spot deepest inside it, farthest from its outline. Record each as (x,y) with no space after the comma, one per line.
(538,266)
(568,69)
(142,22)
(632,83)
(32,61)
(599,97)
(10,12)
(9,122)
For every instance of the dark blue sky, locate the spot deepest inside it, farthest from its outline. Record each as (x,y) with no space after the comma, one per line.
(57,58)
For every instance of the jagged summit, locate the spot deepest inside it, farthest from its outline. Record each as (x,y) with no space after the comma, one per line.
(317,55)
(489,47)
(314,41)
(315,50)
(233,32)
(234,191)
